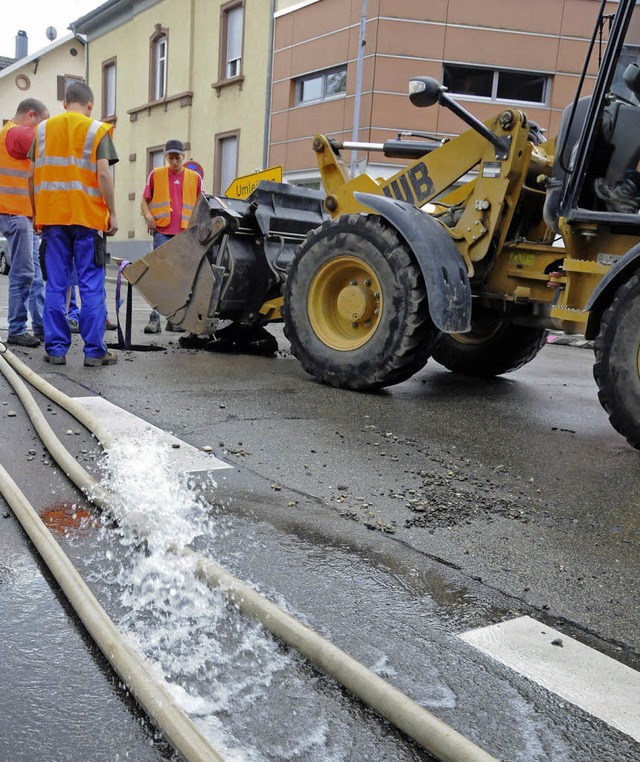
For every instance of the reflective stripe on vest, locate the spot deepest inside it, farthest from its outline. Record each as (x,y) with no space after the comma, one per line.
(66,184)
(14,179)
(160,204)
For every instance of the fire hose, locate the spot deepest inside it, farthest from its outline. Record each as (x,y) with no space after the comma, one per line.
(431,733)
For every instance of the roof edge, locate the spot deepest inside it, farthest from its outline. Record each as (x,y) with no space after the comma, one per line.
(39,53)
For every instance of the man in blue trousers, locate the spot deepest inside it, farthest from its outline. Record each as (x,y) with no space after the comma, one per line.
(73,194)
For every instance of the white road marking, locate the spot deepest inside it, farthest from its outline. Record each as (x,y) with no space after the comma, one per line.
(587,678)
(121,423)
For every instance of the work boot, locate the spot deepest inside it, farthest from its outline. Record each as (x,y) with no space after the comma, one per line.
(173,327)
(108,358)
(623,197)
(24,340)
(153,326)
(73,326)
(55,359)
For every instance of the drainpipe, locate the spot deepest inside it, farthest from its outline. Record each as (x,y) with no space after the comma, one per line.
(362,41)
(86,55)
(267,114)
(191,77)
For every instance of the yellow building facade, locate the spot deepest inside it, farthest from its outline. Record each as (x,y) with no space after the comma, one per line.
(192,70)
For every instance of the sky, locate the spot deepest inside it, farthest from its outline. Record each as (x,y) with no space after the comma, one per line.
(34,16)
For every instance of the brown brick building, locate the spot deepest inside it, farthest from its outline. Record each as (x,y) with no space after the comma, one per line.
(491,53)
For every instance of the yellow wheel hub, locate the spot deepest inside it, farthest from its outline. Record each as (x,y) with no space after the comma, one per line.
(344,303)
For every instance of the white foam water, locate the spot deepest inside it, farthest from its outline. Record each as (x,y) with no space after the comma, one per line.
(221,668)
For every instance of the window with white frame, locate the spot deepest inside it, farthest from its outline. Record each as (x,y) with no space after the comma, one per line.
(156,158)
(231,40)
(226,161)
(109,89)
(321,86)
(158,73)
(497,84)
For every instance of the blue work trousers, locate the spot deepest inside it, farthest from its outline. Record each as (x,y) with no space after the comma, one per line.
(18,230)
(64,245)
(73,311)
(36,295)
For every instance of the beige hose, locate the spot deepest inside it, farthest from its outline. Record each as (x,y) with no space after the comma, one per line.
(435,736)
(134,671)
(67,403)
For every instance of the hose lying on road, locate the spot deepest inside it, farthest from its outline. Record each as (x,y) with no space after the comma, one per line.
(435,736)
(104,436)
(134,671)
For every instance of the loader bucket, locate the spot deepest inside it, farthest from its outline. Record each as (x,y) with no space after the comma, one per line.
(231,262)
(177,278)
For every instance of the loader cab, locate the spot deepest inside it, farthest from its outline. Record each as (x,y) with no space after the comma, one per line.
(599,135)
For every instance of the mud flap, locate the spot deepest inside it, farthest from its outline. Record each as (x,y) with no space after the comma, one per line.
(177,278)
(443,268)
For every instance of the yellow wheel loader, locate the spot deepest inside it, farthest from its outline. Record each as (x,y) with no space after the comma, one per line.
(469,255)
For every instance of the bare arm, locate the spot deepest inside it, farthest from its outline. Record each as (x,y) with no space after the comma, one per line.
(146,213)
(105,183)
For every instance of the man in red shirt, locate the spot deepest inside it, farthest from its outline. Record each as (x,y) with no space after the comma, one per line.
(16,222)
(168,199)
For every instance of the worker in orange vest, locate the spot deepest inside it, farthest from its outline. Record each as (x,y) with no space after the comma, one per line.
(73,193)
(167,202)
(16,214)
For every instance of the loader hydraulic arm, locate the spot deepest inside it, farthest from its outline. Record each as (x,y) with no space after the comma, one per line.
(426,91)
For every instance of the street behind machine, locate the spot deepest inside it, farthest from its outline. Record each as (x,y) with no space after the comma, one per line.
(372,278)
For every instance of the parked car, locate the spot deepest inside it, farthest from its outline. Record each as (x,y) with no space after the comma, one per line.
(5,257)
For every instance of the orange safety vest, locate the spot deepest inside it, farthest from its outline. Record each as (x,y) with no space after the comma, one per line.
(160,204)
(66,172)
(14,176)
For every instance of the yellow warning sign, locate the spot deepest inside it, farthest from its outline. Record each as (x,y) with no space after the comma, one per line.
(520,258)
(243,186)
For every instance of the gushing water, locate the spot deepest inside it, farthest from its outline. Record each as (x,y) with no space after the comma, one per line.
(153,500)
(220,667)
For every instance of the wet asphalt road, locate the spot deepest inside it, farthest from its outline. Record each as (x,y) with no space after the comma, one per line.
(516,492)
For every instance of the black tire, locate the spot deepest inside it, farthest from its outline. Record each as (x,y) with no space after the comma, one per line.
(492,347)
(617,366)
(357,262)
(4,265)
